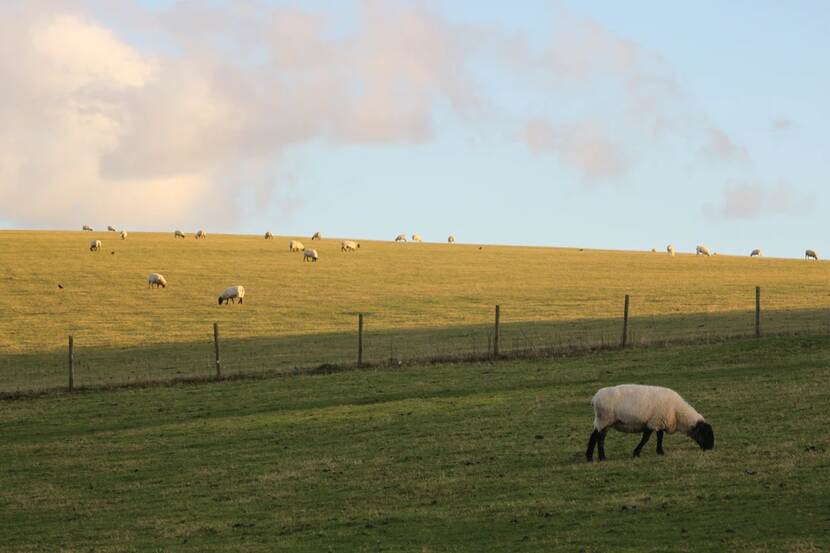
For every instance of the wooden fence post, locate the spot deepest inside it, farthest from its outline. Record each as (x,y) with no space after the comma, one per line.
(757,311)
(216,349)
(625,323)
(360,340)
(496,332)
(71,363)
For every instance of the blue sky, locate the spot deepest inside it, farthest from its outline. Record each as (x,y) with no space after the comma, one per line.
(591,124)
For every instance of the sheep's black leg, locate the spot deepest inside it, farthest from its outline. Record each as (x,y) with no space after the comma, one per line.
(601,444)
(592,441)
(646,435)
(659,442)
(240,301)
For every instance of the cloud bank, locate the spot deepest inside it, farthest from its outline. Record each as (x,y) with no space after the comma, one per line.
(752,200)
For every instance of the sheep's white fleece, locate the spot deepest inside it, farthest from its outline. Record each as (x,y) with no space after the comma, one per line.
(233,292)
(630,407)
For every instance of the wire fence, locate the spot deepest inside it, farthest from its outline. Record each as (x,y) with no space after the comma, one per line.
(377,340)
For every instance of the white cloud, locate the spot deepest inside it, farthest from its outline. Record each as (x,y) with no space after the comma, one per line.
(751,200)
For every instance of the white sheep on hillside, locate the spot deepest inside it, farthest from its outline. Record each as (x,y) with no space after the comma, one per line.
(86,227)
(123,235)
(95,245)
(416,237)
(811,254)
(400,238)
(349,246)
(111,228)
(756,253)
(232,293)
(317,236)
(310,255)
(451,239)
(670,249)
(201,234)
(156,279)
(295,246)
(635,408)
(702,250)
(268,235)
(178,234)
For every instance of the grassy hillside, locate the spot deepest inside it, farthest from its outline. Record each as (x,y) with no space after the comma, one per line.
(420,300)
(468,457)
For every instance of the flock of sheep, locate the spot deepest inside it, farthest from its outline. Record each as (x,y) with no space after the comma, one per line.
(703,250)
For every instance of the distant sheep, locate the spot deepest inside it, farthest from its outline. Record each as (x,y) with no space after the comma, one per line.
(268,235)
(178,234)
(123,235)
(670,249)
(310,255)
(111,228)
(653,250)
(317,236)
(95,246)
(295,246)
(156,279)
(811,254)
(451,239)
(87,227)
(756,253)
(400,238)
(201,234)
(231,294)
(702,250)
(634,408)
(349,246)
(416,237)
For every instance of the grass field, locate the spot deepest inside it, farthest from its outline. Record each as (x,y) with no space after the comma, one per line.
(455,457)
(421,300)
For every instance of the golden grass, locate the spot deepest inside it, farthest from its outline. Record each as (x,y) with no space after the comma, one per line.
(409,292)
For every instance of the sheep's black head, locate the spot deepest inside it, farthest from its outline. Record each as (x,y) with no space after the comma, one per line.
(220,300)
(702,434)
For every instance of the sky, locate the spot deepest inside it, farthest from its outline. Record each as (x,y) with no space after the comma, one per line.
(597,124)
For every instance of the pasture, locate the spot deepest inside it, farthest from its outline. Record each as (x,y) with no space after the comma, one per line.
(448,457)
(421,300)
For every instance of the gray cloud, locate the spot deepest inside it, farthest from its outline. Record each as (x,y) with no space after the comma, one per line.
(750,200)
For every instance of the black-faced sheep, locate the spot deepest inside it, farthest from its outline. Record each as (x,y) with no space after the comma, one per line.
(811,254)
(95,246)
(178,234)
(87,227)
(349,246)
(451,239)
(756,253)
(400,238)
(232,293)
(702,250)
(156,279)
(310,255)
(268,235)
(416,237)
(635,408)
(317,236)
(201,234)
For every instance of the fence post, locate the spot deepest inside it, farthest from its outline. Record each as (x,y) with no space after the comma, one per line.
(757,311)
(360,340)
(216,349)
(625,323)
(496,333)
(71,363)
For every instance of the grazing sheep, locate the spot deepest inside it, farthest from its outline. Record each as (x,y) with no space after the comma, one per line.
(811,254)
(702,250)
(310,255)
(670,249)
(268,235)
(451,239)
(295,246)
(87,227)
(178,234)
(756,253)
(232,293)
(95,245)
(317,236)
(653,250)
(400,238)
(416,237)
(123,235)
(201,234)
(634,408)
(111,228)
(349,246)
(156,279)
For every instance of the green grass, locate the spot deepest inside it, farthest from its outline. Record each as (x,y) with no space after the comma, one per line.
(421,300)
(453,457)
